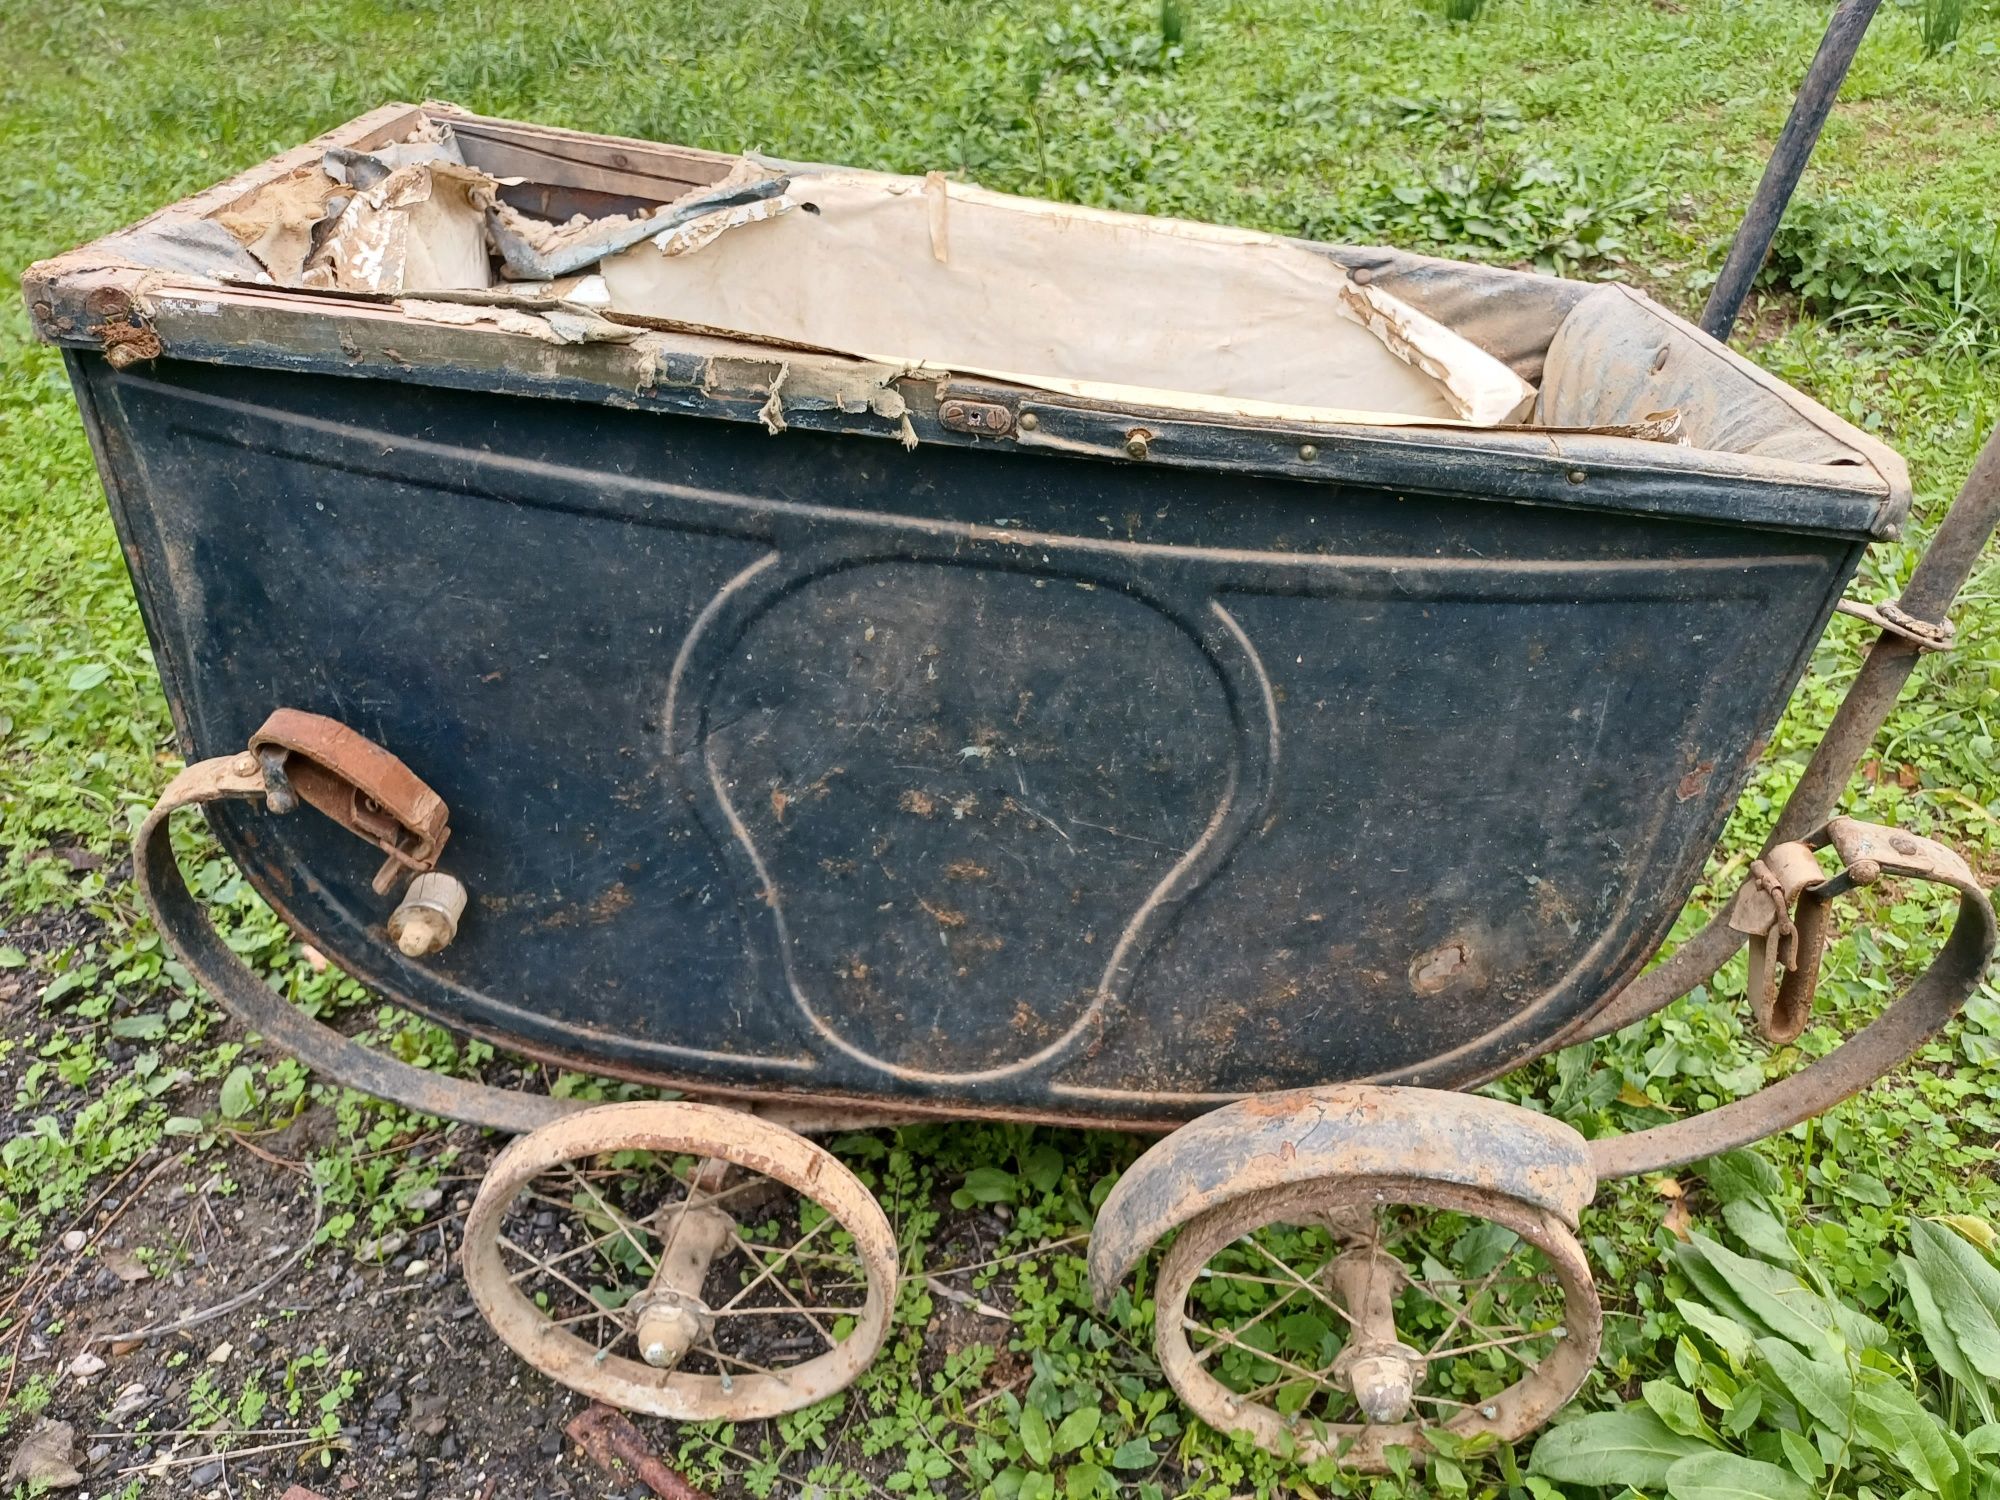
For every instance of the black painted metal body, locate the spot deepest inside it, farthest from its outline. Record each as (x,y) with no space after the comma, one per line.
(987,780)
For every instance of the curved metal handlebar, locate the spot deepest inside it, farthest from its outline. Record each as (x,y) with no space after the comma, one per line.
(1867,852)
(236,987)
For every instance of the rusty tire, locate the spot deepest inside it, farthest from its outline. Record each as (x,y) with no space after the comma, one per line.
(1508,1414)
(716,1135)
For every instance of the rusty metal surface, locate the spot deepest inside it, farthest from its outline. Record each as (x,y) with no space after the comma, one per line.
(1868,853)
(1762,912)
(675,1129)
(612,1443)
(1511,1413)
(1890,616)
(1347,1132)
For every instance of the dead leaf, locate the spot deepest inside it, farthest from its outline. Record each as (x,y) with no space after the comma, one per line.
(1678,1218)
(126,1266)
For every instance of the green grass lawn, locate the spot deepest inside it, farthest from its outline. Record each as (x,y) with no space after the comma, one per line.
(1616,138)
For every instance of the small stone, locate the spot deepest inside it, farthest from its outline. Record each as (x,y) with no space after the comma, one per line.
(388,1404)
(424,1201)
(206,1473)
(42,1461)
(130,1401)
(98,1453)
(381,1249)
(75,1240)
(552,1444)
(257,1342)
(219,1355)
(86,1365)
(417,1268)
(449,1447)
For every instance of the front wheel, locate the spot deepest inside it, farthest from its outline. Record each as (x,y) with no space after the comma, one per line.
(682,1260)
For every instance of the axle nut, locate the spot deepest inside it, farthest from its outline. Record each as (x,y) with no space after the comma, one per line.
(427,920)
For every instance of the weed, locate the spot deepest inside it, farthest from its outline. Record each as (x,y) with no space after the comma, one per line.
(1938,24)
(1859,260)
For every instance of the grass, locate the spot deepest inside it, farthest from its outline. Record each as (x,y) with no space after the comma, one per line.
(1590,139)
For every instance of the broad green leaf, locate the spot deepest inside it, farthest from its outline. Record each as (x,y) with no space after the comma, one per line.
(990,1185)
(1078,1428)
(182,1125)
(1763,1234)
(1743,1176)
(1966,1289)
(1940,1340)
(1724,1476)
(1888,1419)
(1611,1447)
(1677,1408)
(1983,1439)
(1715,1289)
(239,1093)
(1038,1486)
(145,1027)
(1786,1305)
(1731,1337)
(91,674)
(1134,1453)
(1036,1441)
(1043,1168)
(1083,1480)
(1823,1390)
(1971,1226)
(1801,1455)
(12,957)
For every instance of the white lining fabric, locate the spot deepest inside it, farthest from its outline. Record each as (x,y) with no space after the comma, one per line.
(944,276)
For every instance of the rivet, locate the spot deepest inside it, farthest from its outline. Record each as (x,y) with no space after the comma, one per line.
(1307,452)
(1138,443)
(1029,421)
(1576,476)
(245,764)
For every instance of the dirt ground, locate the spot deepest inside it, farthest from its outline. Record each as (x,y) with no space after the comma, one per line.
(434,1407)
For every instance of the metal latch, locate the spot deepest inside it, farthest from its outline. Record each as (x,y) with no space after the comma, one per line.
(355,782)
(1890,616)
(981,418)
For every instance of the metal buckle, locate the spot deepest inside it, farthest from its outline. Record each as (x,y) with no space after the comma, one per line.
(1890,616)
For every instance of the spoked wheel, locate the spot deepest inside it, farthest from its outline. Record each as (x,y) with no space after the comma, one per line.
(1342,1317)
(682,1260)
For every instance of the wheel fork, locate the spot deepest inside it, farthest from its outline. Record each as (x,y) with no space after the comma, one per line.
(670,1317)
(1376,1367)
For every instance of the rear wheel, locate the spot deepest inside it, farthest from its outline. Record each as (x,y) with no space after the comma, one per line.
(1341,1317)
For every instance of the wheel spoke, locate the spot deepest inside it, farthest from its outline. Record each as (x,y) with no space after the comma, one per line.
(1459,1316)
(1294,1276)
(765,1274)
(1499,1343)
(633,1231)
(609,1314)
(1246,1327)
(1276,1359)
